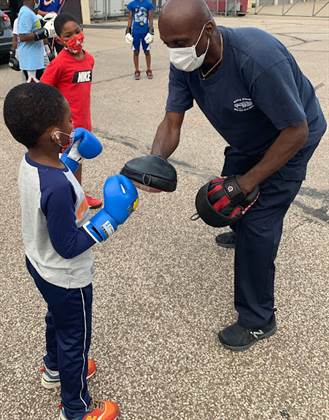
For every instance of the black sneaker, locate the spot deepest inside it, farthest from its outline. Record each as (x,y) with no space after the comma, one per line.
(226,240)
(237,338)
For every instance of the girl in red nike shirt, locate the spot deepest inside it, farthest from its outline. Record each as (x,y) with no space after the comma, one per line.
(71,73)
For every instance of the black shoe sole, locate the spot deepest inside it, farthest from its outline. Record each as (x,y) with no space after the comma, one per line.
(247,346)
(223,245)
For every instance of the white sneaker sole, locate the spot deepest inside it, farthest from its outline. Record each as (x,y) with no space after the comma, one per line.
(50,385)
(56,384)
(61,416)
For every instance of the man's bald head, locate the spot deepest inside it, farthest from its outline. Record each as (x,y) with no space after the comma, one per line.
(183,20)
(185,11)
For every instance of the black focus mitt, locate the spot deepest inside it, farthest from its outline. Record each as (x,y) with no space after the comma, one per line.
(221,201)
(152,171)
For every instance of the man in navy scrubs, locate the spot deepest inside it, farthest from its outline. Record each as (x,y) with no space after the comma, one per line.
(252,91)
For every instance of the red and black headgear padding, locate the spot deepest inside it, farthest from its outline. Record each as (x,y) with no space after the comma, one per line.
(221,201)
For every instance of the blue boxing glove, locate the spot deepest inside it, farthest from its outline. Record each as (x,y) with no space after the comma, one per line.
(85,146)
(120,200)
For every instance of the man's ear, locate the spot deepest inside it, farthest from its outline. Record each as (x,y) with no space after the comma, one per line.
(210,27)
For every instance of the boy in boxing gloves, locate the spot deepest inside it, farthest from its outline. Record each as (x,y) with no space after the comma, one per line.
(58,234)
(31,36)
(71,73)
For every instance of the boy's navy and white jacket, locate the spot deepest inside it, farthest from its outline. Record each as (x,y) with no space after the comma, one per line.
(54,209)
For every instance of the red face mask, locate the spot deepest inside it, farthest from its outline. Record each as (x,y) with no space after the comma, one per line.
(75,44)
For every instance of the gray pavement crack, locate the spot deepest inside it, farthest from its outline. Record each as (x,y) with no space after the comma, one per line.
(321,213)
(303,41)
(319,86)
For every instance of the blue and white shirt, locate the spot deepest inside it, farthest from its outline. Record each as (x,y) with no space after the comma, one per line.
(140,10)
(54,209)
(50,5)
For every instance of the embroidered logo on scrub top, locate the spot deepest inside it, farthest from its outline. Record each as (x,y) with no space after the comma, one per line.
(243,104)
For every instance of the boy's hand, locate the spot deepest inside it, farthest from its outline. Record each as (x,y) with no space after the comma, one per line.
(40,34)
(120,200)
(120,197)
(129,39)
(13,62)
(149,38)
(85,146)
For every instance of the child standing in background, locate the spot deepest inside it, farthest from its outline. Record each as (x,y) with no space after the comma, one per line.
(30,46)
(140,31)
(71,73)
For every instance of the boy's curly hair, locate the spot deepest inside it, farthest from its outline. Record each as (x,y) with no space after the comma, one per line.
(30,108)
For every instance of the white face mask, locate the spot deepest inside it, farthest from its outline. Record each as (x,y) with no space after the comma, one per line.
(186,58)
(70,139)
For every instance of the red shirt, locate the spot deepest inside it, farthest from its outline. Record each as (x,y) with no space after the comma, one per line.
(73,78)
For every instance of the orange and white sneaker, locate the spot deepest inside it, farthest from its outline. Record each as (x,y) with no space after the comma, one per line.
(99,410)
(50,378)
(93,203)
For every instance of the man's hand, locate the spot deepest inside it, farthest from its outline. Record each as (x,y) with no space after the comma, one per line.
(145,188)
(151,171)
(221,202)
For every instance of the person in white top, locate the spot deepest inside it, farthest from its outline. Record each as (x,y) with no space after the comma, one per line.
(14,57)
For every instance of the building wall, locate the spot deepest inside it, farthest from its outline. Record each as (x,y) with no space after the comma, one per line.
(111,8)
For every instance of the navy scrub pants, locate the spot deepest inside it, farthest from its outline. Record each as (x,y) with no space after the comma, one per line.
(258,236)
(68,336)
